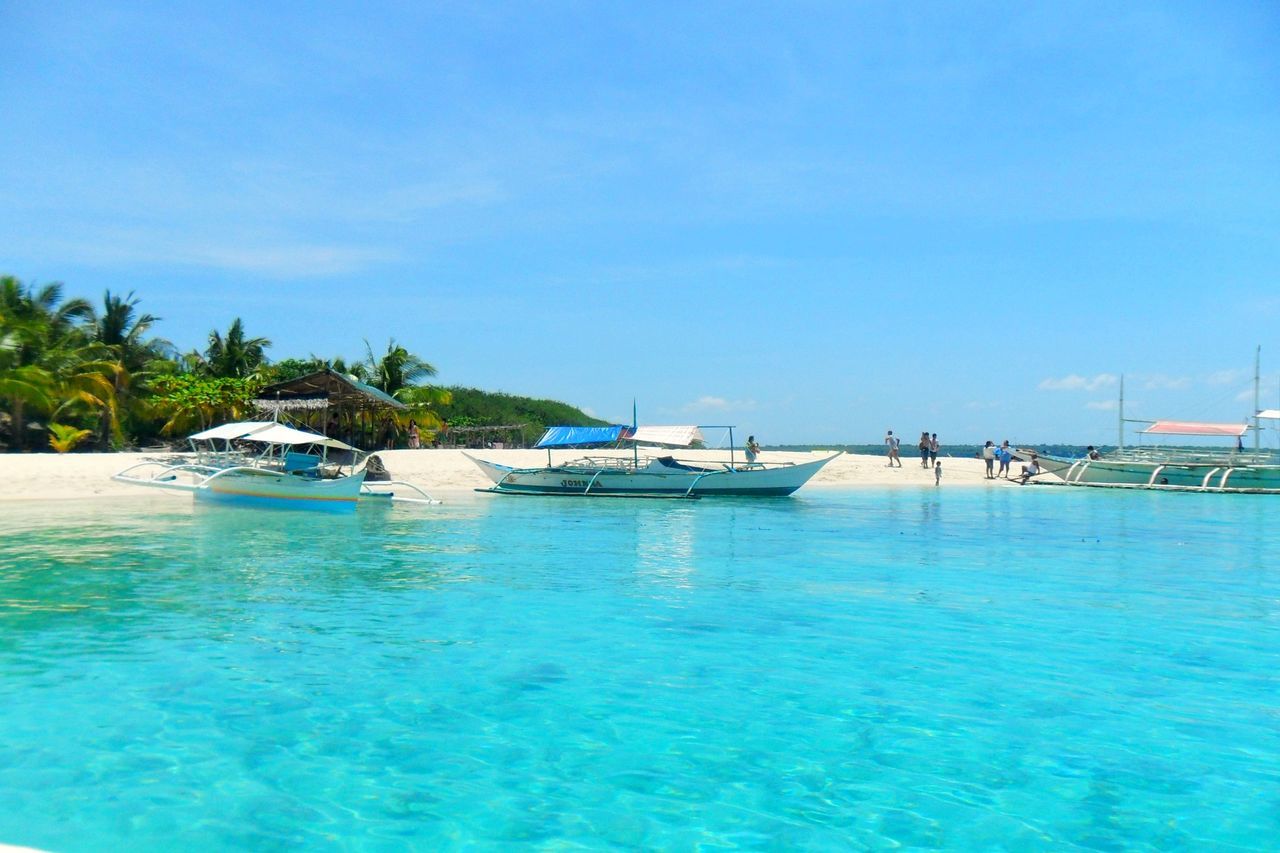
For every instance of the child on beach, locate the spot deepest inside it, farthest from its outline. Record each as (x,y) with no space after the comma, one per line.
(937,473)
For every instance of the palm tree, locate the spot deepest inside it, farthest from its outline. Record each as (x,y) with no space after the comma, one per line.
(43,356)
(121,326)
(235,355)
(397,373)
(122,330)
(396,370)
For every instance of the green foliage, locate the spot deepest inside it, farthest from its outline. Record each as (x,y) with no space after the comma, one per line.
(64,438)
(101,371)
(470,407)
(192,402)
(294,368)
(50,363)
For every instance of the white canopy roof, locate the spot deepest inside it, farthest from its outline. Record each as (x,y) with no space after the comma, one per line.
(680,436)
(281,434)
(1270,414)
(238,429)
(268,432)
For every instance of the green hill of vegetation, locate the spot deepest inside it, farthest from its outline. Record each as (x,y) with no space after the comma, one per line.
(474,418)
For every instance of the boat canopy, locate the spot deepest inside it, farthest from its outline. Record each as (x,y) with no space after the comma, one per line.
(1194,428)
(571,436)
(231,431)
(680,436)
(1269,414)
(281,434)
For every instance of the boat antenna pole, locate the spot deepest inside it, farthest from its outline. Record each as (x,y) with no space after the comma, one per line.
(635,448)
(1120,446)
(1257,407)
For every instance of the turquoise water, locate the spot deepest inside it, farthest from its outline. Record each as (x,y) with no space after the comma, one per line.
(1026,669)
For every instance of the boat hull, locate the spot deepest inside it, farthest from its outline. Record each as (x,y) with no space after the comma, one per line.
(1216,475)
(270,488)
(778,481)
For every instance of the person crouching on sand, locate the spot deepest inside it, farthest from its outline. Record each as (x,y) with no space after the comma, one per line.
(1030,469)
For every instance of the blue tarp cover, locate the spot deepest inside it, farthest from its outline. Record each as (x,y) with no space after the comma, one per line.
(571,436)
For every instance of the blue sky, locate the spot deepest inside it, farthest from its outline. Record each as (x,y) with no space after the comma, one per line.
(813,220)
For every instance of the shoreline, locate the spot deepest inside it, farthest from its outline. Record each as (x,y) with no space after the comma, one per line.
(442,472)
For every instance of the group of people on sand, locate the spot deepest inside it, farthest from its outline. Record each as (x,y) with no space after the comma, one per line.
(990,454)
(928,447)
(1004,455)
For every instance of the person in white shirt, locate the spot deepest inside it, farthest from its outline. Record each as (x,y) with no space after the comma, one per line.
(989,457)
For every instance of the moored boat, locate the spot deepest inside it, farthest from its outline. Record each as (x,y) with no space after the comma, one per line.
(655,474)
(1175,468)
(268,463)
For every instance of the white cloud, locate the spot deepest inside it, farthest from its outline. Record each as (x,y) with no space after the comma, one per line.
(1160,382)
(283,259)
(1226,377)
(718,404)
(1245,396)
(1102,405)
(1074,382)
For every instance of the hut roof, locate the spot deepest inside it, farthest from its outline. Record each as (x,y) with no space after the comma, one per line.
(325,388)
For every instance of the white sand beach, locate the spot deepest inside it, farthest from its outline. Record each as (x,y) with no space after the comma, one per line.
(49,476)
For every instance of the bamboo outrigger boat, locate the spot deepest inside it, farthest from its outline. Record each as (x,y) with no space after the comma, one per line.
(648,476)
(279,472)
(1234,469)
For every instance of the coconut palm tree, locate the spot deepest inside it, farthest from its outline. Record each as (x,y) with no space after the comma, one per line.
(120,325)
(234,355)
(396,370)
(122,329)
(398,373)
(45,355)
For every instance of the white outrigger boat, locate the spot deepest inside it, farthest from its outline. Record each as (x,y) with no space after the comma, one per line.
(661,476)
(278,474)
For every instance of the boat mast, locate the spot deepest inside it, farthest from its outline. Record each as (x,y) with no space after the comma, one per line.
(1257,386)
(1120,445)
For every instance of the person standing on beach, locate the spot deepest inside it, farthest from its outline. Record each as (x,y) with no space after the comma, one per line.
(1005,455)
(892,442)
(989,457)
(415,437)
(933,450)
(924,450)
(937,473)
(753,449)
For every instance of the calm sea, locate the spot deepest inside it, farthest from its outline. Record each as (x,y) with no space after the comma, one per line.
(938,668)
